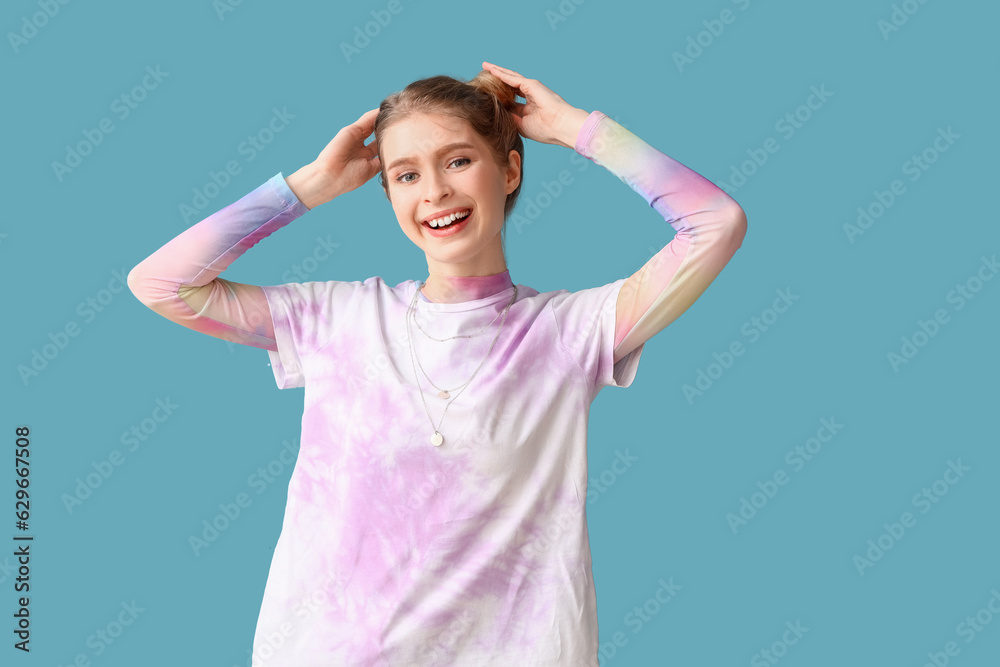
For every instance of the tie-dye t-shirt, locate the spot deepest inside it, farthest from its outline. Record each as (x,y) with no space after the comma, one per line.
(472,553)
(394,552)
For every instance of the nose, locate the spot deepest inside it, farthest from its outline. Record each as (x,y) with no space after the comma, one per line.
(437,186)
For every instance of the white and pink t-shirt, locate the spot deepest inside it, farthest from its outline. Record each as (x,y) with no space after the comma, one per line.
(472,553)
(394,552)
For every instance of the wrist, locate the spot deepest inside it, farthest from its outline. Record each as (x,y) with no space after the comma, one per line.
(571,125)
(311,186)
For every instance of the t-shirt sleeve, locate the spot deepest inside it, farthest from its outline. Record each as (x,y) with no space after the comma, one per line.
(585,325)
(305,317)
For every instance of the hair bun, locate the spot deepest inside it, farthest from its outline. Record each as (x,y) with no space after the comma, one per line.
(488,82)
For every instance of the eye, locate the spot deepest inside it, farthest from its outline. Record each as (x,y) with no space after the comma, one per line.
(401,177)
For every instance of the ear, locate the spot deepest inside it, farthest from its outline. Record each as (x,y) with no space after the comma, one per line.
(513,171)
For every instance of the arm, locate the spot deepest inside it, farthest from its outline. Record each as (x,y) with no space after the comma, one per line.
(180,280)
(710,227)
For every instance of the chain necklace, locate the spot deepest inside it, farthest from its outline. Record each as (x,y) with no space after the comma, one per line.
(445,393)
(441,340)
(437,439)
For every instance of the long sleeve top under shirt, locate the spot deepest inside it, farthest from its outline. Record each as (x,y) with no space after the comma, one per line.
(710,228)
(394,552)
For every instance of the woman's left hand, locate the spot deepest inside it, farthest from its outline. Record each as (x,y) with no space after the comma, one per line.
(544,117)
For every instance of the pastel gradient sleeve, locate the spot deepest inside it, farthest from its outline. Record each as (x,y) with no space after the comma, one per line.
(232,311)
(710,227)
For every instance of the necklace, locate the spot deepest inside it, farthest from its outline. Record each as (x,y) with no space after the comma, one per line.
(437,439)
(445,393)
(441,340)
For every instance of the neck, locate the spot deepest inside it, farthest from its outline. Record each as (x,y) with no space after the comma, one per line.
(456,289)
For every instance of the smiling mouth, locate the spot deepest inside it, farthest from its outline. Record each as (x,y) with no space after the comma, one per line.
(450,224)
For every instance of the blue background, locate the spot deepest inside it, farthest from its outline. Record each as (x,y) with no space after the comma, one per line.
(663,517)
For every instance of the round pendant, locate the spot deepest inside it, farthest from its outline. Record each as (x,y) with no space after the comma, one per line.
(437,439)
(443,394)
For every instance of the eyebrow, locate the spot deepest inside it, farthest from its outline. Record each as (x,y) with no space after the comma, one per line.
(444,149)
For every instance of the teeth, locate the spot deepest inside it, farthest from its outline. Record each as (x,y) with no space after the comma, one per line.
(448,219)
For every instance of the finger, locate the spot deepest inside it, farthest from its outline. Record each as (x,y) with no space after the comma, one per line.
(496,69)
(366,123)
(521,85)
(494,65)
(505,73)
(515,81)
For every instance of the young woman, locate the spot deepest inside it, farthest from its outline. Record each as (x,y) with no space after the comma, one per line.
(436,513)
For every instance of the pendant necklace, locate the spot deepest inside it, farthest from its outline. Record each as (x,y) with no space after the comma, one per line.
(436,438)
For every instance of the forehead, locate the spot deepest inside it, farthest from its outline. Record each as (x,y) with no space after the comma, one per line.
(422,135)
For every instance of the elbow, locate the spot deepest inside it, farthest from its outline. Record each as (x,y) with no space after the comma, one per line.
(737,216)
(144,287)
(132,279)
(736,224)
(136,284)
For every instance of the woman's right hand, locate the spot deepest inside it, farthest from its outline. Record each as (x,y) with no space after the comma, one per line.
(343,165)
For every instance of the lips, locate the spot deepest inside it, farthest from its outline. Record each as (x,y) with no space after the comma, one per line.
(455,228)
(441,214)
